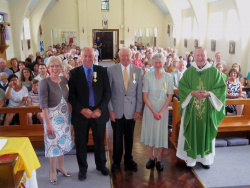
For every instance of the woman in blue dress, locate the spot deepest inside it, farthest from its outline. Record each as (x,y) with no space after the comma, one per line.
(234,91)
(53,97)
(157,94)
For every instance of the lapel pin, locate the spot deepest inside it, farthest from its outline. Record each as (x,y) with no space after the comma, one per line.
(95,76)
(165,87)
(133,77)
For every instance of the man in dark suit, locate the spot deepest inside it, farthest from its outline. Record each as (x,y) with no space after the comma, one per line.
(89,95)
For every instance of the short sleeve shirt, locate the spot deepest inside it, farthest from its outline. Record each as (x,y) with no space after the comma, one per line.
(17,97)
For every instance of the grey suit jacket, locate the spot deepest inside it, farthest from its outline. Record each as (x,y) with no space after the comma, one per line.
(122,102)
(176,78)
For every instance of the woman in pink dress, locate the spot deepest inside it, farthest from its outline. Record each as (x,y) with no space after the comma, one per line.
(137,61)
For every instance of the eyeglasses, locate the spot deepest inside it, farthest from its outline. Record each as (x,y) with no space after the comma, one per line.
(54,66)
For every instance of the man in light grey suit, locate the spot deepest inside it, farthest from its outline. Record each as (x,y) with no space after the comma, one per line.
(177,75)
(124,107)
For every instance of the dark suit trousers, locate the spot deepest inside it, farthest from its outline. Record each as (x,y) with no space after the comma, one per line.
(123,128)
(81,140)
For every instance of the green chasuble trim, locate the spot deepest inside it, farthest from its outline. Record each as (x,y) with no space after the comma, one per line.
(201,118)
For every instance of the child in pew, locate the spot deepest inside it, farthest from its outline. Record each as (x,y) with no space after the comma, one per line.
(33,100)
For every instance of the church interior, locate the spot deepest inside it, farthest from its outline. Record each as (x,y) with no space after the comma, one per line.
(175,27)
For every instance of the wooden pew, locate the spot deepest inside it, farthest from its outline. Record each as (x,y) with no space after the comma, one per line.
(35,132)
(229,124)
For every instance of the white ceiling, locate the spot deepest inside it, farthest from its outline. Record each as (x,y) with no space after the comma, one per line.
(183,4)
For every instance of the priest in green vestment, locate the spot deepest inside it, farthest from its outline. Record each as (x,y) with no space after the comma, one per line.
(202,92)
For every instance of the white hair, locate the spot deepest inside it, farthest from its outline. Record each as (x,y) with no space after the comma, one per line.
(3,60)
(52,59)
(125,49)
(157,57)
(87,48)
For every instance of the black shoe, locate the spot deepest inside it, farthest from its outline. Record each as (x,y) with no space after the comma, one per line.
(105,171)
(150,164)
(206,166)
(82,176)
(115,167)
(159,166)
(131,165)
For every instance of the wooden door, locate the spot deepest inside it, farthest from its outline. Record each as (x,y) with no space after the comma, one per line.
(107,44)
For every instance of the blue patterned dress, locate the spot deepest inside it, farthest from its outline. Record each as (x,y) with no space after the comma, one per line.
(60,142)
(233,89)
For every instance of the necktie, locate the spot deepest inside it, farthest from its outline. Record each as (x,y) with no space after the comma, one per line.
(126,78)
(181,75)
(91,91)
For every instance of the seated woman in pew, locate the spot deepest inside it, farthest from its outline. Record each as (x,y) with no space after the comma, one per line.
(240,78)
(234,91)
(17,95)
(14,65)
(26,78)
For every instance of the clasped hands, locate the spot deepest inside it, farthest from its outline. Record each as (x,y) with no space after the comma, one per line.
(200,94)
(158,115)
(91,114)
(137,115)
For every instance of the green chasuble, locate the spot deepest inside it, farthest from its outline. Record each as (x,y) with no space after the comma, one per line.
(201,118)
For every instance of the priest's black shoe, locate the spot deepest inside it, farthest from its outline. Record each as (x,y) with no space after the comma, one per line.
(82,176)
(115,167)
(104,171)
(131,165)
(150,164)
(159,166)
(206,166)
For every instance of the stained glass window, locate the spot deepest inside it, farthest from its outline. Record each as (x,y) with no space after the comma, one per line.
(105,4)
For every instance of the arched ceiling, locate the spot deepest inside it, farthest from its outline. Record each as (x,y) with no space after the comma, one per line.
(34,3)
(183,4)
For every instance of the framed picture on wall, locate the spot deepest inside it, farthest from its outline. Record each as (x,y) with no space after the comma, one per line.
(196,43)
(231,47)
(185,43)
(168,31)
(213,45)
(174,41)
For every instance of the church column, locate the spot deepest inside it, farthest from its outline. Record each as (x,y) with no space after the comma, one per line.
(83,25)
(244,19)
(176,14)
(35,20)
(18,10)
(200,9)
(128,23)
